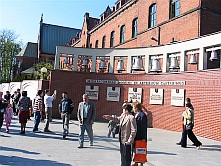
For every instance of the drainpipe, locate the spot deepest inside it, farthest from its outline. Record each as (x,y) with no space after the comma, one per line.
(158,35)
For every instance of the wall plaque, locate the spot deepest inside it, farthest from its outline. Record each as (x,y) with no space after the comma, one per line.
(113,93)
(92,92)
(156,96)
(177,97)
(135,94)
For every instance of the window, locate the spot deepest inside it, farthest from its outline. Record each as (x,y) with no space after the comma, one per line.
(174,8)
(103,41)
(152,15)
(134,27)
(122,33)
(112,39)
(96,44)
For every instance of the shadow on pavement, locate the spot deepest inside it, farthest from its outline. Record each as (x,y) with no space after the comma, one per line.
(105,148)
(14,160)
(18,150)
(211,147)
(165,153)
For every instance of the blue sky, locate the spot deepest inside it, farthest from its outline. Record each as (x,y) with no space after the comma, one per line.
(23,16)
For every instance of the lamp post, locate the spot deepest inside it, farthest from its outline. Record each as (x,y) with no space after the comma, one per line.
(43,71)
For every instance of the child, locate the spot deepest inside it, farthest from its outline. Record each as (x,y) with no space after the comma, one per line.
(112,125)
(8,116)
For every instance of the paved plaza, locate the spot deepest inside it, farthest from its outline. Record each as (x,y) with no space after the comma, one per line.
(51,149)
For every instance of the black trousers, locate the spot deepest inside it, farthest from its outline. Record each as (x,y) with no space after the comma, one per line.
(1,119)
(191,136)
(126,155)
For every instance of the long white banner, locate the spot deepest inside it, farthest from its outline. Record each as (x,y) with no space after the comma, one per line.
(164,83)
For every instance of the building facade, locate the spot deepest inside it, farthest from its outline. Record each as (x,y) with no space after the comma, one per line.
(146,23)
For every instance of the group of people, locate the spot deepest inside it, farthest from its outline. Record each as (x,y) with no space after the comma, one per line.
(132,127)
(132,122)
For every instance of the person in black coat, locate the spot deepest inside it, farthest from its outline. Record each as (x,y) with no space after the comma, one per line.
(141,120)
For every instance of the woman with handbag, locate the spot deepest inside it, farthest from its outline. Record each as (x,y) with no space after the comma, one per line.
(128,129)
(188,116)
(141,136)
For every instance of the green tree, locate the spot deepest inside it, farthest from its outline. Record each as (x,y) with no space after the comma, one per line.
(8,49)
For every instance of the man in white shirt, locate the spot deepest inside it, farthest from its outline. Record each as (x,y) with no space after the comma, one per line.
(48,108)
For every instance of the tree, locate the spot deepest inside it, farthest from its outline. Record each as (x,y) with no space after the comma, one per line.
(8,49)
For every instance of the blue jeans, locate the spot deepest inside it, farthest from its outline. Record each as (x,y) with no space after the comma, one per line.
(37,118)
(88,128)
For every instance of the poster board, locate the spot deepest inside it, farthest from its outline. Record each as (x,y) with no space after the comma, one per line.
(31,86)
(113,93)
(156,96)
(14,86)
(177,97)
(135,94)
(5,87)
(92,92)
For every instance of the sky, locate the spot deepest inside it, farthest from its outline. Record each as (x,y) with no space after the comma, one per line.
(23,16)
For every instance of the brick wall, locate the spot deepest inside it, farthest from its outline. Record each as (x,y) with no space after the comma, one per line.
(181,29)
(203,87)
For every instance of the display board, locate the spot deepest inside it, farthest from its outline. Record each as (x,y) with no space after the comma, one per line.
(156,96)
(135,94)
(92,92)
(177,97)
(113,93)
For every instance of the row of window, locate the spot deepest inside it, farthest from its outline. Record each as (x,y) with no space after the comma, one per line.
(174,11)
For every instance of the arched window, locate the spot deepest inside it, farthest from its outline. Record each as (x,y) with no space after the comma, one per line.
(96,44)
(103,41)
(112,38)
(134,27)
(122,33)
(174,8)
(152,15)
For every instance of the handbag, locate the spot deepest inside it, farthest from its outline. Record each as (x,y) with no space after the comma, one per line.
(140,151)
(189,126)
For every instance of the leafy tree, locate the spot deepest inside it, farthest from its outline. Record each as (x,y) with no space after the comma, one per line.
(38,74)
(8,49)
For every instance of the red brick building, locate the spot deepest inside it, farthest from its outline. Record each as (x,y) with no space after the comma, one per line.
(142,23)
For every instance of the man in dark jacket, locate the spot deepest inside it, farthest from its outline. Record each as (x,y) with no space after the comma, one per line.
(65,108)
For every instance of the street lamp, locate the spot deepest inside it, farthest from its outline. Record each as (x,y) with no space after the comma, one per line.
(43,71)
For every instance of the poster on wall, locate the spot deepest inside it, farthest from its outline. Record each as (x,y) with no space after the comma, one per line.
(156,96)
(5,87)
(14,86)
(31,86)
(92,92)
(113,93)
(177,97)
(135,94)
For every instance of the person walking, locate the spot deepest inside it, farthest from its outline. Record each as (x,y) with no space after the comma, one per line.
(16,99)
(2,110)
(7,97)
(65,109)
(188,116)
(48,108)
(8,116)
(24,104)
(128,130)
(183,128)
(86,117)
(37,109)
(13,102)
(141,120)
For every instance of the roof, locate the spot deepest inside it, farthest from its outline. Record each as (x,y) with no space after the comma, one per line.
(30,50)
(92,22)
(30,70)
(54,35)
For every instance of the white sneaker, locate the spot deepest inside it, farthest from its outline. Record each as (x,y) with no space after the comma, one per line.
(198,147)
